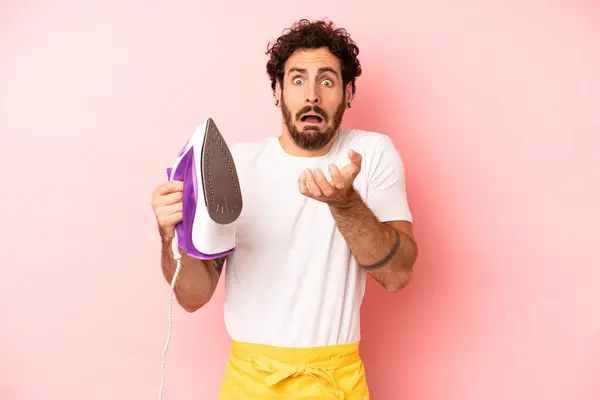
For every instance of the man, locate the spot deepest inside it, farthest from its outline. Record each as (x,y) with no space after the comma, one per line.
(323,208)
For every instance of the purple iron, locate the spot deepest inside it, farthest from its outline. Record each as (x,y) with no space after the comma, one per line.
(212,200)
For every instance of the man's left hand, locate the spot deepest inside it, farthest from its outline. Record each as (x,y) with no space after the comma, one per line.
(338,191)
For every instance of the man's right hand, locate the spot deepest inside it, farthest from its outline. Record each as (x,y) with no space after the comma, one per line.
(168,207)
(198,278)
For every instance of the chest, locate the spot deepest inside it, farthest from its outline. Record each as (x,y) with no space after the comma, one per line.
(277,216)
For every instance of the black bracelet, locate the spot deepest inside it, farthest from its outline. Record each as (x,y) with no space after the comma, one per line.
(388,257)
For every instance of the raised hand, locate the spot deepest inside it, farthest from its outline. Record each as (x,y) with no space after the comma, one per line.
(314,184)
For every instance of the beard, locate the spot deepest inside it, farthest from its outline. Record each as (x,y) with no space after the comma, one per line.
(312,137)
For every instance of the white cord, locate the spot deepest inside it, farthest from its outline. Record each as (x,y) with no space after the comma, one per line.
(164,356)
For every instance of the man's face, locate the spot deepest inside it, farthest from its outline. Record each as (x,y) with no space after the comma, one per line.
(313,99)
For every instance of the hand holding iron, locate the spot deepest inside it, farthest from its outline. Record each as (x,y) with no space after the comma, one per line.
(168,207)
(339,190)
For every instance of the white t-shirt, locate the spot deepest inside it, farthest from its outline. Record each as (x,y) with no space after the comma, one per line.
(292,281)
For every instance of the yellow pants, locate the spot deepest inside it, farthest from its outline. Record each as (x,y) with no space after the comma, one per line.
(267,372)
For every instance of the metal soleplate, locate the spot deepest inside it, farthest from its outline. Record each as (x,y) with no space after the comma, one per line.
(222,193)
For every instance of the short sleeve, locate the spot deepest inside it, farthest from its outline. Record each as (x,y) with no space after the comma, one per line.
(386,183)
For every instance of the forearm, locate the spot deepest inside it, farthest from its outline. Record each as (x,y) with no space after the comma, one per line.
(370,241)
(196,281)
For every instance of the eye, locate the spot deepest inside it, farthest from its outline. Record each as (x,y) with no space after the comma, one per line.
(327,82)
(297,80)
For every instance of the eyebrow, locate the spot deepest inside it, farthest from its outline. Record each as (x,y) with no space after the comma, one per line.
(320,70)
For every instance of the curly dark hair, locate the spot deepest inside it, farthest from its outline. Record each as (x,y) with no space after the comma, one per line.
(313,35)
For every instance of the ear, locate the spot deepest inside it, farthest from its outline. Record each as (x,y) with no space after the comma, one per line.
(277,93)
(349,95)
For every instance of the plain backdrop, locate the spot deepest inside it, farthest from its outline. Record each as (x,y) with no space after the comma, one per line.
(493,105)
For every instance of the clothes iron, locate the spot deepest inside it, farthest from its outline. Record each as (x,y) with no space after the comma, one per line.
(212,202)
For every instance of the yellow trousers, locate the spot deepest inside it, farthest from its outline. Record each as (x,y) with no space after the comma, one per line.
(264,372)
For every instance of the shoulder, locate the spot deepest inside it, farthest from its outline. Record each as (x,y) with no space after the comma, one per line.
(381,159)
(361,138)
(373,146)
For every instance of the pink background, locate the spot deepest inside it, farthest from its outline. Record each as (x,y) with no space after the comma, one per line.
(494,105)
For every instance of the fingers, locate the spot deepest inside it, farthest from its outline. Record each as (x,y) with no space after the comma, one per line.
(169,221)
(323,183)
(168,187)
(167,200)
(355,157)
(313,186)
(336,176)
(353,168)
(172,208)
(168,205)
(314,183)
(168,216)
(166,212)
(302,185)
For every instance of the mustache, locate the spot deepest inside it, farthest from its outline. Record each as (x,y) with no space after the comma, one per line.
(315,109)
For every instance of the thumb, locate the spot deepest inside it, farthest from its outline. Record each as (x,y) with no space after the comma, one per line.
(355,157)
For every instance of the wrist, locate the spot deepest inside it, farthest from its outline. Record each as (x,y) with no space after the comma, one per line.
(165,239)
(352,198)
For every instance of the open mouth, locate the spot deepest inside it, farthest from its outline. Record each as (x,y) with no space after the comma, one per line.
(311,119)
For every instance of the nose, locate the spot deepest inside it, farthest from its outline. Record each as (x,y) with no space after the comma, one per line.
(312,97)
